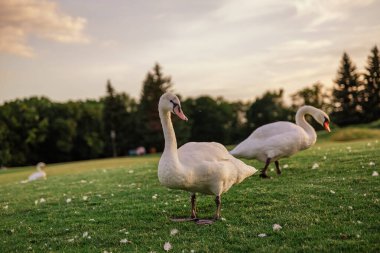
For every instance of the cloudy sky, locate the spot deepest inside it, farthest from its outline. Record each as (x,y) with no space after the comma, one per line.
(67,49)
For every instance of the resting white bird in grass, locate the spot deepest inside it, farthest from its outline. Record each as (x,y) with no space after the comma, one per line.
(203,167)
(40,174)
(271,142)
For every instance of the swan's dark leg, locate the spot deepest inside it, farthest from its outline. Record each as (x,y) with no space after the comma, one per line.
(218,203)
(193,206)
(264,171)
(193,211)
(278,167)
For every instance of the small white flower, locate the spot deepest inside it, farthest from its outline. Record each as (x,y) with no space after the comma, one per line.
(122,230)
(332,191)
(85,234)
(315,166)
(262,235)
(42,200)
(36,202)
(68,200)
(131,171)
(91,220)
(359,222)
(71,240)
(85,198)
(324,157)
(350,207)
(192,251)
(371,163)
(375,174)
(167,246)
(83,181)
(285,166)
(174,231)
(124,241)
(12,230)
(358,236)
(271,169)
(5,207)
(223,219)
(154,197)
(277,227)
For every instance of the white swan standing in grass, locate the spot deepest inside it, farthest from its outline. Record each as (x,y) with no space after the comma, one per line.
(40,174)
(203,167)
(273,141)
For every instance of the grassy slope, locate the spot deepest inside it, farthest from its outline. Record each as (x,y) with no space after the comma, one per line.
(120,201)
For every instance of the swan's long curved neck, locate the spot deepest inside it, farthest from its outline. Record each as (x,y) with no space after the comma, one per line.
(301,121)
(170,150)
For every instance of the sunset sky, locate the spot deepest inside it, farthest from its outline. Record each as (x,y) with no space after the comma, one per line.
(237,49)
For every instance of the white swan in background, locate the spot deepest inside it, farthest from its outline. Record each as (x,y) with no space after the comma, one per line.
(273,141)
(40,174)
(203,167)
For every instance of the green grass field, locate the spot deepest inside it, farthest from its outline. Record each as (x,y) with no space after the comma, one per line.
(333,208)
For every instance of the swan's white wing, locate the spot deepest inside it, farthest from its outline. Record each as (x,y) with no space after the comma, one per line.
(273,129)
(211,169)
(202,151)
(279,139)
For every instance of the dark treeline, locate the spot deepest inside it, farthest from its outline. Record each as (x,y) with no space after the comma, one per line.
(37,129)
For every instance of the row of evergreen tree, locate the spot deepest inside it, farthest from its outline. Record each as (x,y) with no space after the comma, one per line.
(37,129)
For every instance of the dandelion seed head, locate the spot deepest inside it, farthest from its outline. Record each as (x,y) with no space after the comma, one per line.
(124,240)
(277,227)
(174,231)
(167,246)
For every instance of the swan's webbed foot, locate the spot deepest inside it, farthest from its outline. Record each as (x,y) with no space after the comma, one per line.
(184,219)
(264,176)
(204,222)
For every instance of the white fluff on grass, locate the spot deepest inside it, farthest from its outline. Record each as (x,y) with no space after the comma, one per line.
(285,166)
(331,191)
(124,240)
(277,227)
(375,174)
(174,231)
(315,166)
(85,198)
(68,200)
(262,235)
(371,163)
(167,246)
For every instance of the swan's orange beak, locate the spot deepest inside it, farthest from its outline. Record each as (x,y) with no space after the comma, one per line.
(179,113)
(327,126)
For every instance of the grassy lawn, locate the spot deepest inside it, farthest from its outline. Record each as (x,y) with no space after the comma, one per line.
(333,208)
